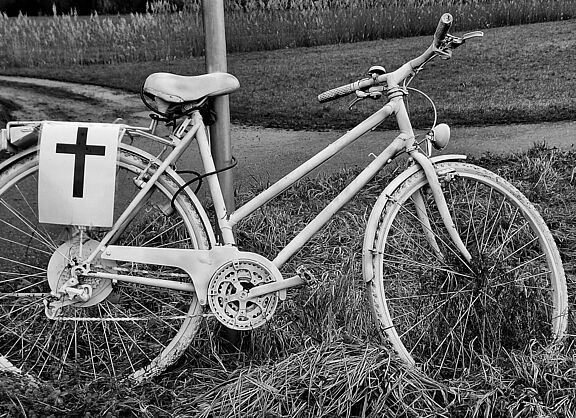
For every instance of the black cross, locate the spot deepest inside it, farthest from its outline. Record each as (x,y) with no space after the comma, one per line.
(80,151)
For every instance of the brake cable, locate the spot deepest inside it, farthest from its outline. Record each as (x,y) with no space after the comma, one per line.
(199,178)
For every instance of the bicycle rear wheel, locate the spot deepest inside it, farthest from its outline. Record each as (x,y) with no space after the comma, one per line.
(442,312)
(126,330)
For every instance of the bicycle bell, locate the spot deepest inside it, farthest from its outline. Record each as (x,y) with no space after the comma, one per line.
(376,70)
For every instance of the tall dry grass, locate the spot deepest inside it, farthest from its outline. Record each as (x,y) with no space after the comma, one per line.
(319,356)
(165,33)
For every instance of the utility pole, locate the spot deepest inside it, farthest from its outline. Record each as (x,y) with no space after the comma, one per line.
(220,143)
(215,43)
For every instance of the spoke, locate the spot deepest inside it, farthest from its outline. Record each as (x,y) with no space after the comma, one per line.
(33,235)
(19,293)
(20,334)
(392,260)
(458,321)
(19,276)
(521,248)
(110,356)
(27,246)
(525,263)
(72,339)
(136,324)
(18,311)
(488,205)
(427,295)
(23,264)
(134,344)
(42,349)
(495,217)
(404,237)
(456,253)
(443,303)
(172,243)
(35,213)
(90,348)
(471,206)
(156,316)
(162,233)
(507,236)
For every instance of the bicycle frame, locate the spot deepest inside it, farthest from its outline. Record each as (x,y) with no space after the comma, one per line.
(201,264)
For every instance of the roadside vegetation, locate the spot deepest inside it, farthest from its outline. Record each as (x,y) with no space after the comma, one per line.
(320,355)
(166,33)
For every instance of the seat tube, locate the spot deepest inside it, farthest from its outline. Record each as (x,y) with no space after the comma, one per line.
(213,182)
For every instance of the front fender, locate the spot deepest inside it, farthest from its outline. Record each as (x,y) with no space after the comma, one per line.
(381,203)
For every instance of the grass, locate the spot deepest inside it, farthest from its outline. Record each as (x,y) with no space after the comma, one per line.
(165,34)
(320,356)
(520,74)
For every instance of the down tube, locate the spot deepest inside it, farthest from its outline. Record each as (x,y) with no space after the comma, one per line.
(344,197)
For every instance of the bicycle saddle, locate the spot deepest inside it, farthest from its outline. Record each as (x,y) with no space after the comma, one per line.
(174,88)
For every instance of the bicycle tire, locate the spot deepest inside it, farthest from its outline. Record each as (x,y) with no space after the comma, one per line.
(444,314)
(136,331)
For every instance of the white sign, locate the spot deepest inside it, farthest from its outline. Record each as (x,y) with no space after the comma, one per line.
(77,173)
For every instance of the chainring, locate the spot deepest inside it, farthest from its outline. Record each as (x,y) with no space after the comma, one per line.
(229,290)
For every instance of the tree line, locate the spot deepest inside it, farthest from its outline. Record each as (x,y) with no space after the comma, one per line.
(81,7)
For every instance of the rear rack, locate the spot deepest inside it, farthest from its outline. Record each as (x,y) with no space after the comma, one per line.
(21,135)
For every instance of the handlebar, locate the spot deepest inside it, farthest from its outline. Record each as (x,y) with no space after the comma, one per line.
(345,90)
(393,79)
(442,29)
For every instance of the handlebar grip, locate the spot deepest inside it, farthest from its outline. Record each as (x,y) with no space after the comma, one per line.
(337,92)
(442,29)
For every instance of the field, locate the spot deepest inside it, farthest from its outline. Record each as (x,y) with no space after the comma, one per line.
(320,356)
(531,63)
(163,36)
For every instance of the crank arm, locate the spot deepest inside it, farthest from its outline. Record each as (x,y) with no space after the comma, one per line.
(274,287)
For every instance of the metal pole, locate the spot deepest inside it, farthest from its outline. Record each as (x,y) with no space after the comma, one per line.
(221,146)
(220,143)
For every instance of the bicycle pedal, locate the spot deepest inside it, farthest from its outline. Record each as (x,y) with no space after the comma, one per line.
(307,277)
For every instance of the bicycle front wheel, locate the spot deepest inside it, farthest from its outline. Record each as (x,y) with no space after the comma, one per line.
(447,314)
(125,330)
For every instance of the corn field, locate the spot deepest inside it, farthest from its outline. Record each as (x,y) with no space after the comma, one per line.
(166,33)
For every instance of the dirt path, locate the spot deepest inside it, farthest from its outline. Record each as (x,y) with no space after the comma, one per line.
(263,154)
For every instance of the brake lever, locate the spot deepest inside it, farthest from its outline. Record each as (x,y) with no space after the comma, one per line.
(374,92)
(452,42)
(475,34)
(455,42)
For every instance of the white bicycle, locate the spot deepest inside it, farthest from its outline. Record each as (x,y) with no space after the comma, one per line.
(459,266)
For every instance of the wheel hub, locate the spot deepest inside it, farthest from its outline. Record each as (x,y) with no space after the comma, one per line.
(64,272)
(229,294)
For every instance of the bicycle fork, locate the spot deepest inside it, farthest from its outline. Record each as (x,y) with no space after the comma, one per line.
(440,200)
